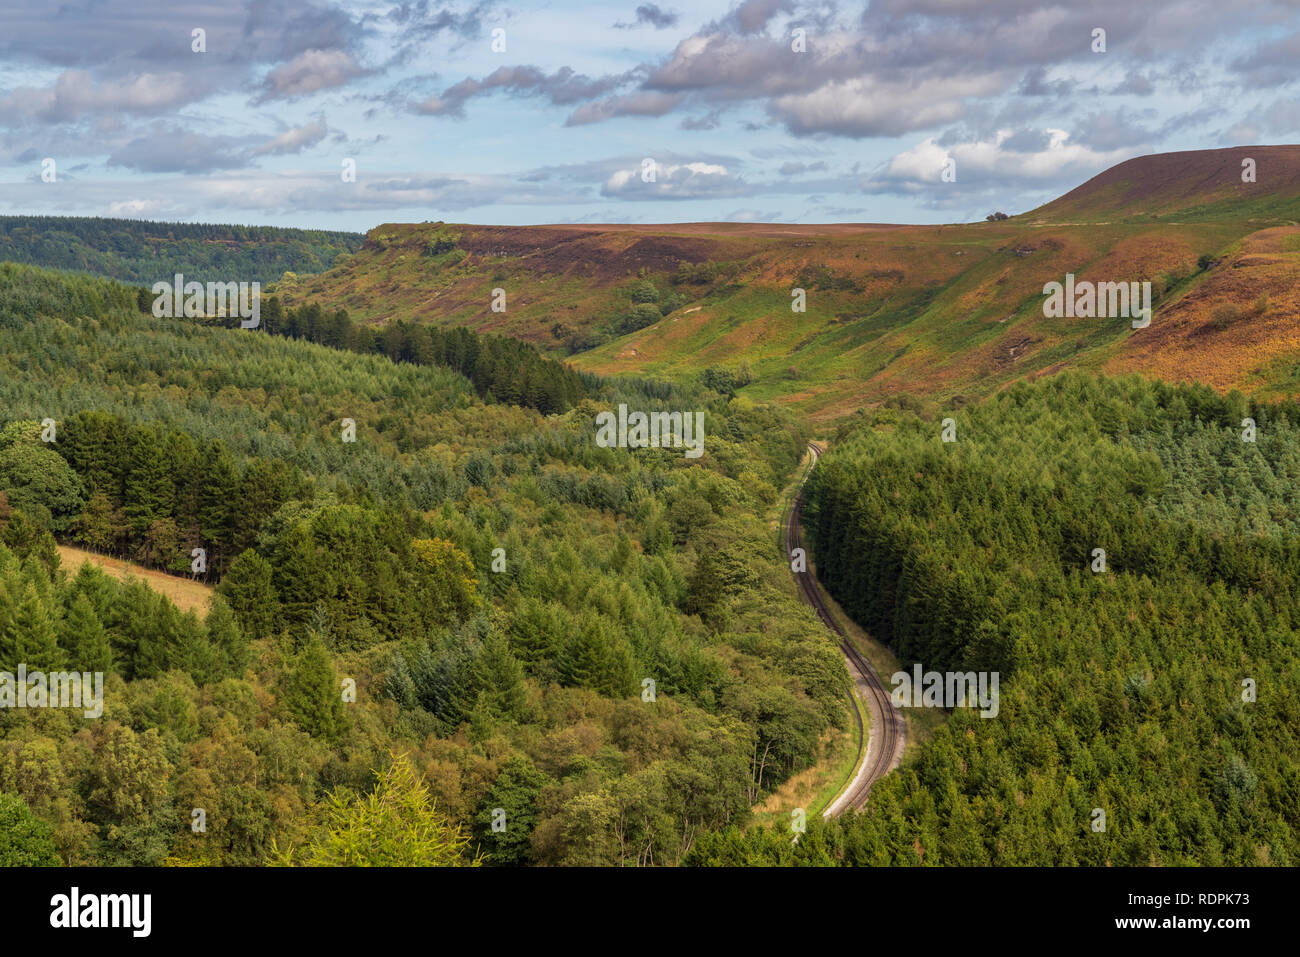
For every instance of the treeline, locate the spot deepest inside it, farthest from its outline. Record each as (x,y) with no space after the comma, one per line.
(26,292)
(139,493)
(500,368)
(140,251)
(1124,554)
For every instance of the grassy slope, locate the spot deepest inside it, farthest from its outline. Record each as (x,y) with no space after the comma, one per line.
(185,593)
(946,311)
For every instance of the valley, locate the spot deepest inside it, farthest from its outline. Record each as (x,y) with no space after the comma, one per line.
(518,564)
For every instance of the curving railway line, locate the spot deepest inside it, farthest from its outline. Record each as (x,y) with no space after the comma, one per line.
(884,748)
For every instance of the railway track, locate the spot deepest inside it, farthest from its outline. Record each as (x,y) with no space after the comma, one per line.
(888,731)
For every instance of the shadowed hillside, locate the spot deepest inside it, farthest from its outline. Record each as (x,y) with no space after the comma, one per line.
(1193,186)
(140,251)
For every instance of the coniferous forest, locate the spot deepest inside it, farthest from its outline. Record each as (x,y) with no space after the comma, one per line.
(1155,682)
(603,644)
(139,251)
(498,589)
(631,449)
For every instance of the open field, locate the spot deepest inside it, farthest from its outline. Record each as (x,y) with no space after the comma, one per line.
(186,594)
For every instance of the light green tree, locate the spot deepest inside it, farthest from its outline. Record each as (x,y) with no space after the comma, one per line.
(395,825)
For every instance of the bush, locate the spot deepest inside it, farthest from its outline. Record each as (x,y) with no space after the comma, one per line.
(439,245)
(670,302)
(643,314)
(1224,315)
(644,291)
(696,274)
(582,341)
(721,380)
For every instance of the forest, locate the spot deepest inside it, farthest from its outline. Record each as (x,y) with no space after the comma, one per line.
(472,624)
(500,368)
(466,621)
(1156,684)
(139,251)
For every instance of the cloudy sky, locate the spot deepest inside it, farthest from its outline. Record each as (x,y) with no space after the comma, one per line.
(487,112)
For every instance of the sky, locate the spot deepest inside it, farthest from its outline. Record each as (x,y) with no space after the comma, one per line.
(346,115)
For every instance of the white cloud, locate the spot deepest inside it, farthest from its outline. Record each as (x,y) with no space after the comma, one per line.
(295,140)
(76,93)
(695,180)
(993,162)
(309,72)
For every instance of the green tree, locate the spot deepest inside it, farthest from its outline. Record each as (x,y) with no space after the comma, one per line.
(514,792)
(40,481)
(396,825)
(148,489)
(249,589)
(30,637)
(227,638)
(595,660)
(25,840)
(85,638)
(312,692)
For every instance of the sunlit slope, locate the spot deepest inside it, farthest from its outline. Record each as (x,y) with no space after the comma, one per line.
(1239,327)
(945,311)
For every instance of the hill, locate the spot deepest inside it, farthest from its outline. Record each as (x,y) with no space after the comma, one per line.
(139,251)
(1191,186)
(952,311)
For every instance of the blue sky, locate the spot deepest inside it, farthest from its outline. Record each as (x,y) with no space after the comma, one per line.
(442,123)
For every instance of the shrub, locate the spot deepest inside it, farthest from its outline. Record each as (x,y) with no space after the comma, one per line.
(644,291)
(670,302)
(439,245)
(643,314)
(1224,315)
(696,274)
(719,380)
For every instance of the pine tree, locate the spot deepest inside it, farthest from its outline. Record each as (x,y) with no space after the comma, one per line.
(148,483)
(312,693)
(226,638)
(499,677)
(85,638)
(197,656)
(594,660)
(248,588)
(396,824)
(30,637)
(216,497)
